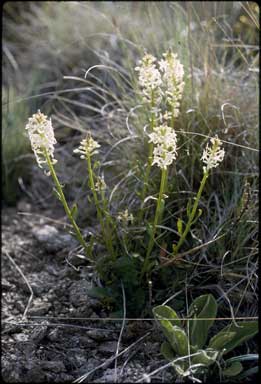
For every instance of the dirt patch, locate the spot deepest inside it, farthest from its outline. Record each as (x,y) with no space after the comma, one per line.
(52,331)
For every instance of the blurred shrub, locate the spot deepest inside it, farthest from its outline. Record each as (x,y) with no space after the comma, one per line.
(15,146)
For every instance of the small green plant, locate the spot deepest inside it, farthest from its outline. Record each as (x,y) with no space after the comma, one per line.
(128,262)
(189,339)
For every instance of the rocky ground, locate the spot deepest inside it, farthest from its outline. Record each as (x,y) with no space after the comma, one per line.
(51,330)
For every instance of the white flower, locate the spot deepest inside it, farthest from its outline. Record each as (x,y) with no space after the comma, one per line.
(42,138)
(172,74)
(125,217)
(165,140)
(149,79)
(100,184)
(88,147)
(213,156)
(165,116)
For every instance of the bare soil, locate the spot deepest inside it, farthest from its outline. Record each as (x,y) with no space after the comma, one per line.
(52,331)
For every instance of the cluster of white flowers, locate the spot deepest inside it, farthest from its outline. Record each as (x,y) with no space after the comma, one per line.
(88,147)
(165,140)
(212,156)
(172,75)
(162,79)
(125,217)
(149,79)
(41,134)
(100,184)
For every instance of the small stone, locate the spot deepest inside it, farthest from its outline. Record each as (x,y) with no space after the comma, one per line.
(53,240)
(53,335)
(23,206)
(108,376)
(19,306)
(39,332)
(77,359)
(100,335)
(6,285)
(54,366)
(20,337)
(108,347)
(35,375)
(39,308)
(79,293)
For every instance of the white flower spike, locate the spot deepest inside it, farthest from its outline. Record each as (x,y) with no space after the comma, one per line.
(213,156)
(149,79)
(165,140)
(172,75)
(41,134)
(88,147)
(125,217)
(100,184)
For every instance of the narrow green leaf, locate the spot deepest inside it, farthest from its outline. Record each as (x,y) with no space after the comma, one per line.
(57,194)
(188,207)
(74,211)
(180,226)
(96,165)
(197,217)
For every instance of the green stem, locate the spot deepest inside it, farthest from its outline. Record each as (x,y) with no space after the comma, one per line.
(149,164)
(192,214)
(107,239)
(158,213)
(108,219)
(165,191)
(146,178)
(65,205)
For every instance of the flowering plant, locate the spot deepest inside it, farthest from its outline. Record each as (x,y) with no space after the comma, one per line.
(161,86)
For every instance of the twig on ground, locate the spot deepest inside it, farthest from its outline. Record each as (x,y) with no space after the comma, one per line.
(26,281)
(121,332)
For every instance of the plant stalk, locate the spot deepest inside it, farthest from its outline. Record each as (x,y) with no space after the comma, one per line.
(107,239)
(158,213)
(192,214)
(149,164)
(65,205)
